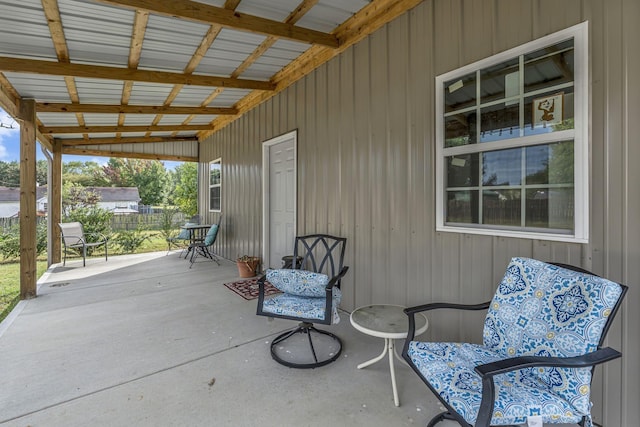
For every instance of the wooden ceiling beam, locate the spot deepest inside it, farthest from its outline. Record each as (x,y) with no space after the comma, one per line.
(54,21)
(364,22)
(124,140)
(33,66)
(203,13)
(52,107)
(129,155)
(293,17)
(52,130)
(135,51)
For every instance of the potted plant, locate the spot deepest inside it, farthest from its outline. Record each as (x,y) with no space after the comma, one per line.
(248,265)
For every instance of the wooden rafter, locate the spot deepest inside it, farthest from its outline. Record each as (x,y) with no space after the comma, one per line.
(125,140)
(54,21)
(52,107)
(204,13)
(206,43)
(101,153)
(197,57)
(135,51)
(293,17)
(359,26)
(52,130)
(33,66)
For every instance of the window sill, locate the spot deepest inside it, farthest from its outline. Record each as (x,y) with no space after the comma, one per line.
(568,238)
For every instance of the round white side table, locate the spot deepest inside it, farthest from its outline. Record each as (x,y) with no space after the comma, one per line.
(389,322)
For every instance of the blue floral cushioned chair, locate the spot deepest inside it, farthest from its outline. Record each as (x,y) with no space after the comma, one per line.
(310,294)
(543,336)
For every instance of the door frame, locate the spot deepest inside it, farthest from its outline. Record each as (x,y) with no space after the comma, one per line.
(266,185)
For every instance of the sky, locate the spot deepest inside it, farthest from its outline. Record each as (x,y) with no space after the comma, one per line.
(10,145)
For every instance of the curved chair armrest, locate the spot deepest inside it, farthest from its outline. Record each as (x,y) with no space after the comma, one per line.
(512,364)
(102,236)
(437,305)
(489,370)
(80,239)
(334,280)
(411,312)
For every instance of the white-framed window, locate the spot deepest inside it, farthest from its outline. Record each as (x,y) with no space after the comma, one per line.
(512,151)
(215,186)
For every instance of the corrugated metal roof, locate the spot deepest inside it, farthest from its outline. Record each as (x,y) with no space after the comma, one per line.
(39,87)
(24,31)
(97,34)
(170,43)
(149,93)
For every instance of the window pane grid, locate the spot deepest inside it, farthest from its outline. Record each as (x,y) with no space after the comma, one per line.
(215,186)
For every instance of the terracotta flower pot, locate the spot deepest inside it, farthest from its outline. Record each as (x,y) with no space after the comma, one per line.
(247,266)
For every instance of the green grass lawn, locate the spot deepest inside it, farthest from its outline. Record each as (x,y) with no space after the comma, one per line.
(10,270)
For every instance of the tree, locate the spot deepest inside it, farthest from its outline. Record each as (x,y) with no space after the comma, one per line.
(87,174)
(149,176)
(10,173)
(75,197)
(185,194)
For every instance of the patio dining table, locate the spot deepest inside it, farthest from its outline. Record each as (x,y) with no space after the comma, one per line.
(197,233)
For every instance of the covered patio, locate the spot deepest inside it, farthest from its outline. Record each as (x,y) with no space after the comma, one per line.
(361,89)
(144,340)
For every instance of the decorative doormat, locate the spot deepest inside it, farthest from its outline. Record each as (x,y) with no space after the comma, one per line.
(248,289)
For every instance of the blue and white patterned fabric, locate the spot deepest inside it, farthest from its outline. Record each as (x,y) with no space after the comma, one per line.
(299,282)
(304,295)
(539,309)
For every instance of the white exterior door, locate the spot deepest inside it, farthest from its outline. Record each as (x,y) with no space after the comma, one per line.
(279,203)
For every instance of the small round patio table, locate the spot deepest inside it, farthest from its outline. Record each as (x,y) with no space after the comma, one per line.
(386,321)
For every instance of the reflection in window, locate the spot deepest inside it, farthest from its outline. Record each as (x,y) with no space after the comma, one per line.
(500,81)
(502,167)
(501,207)
(550,208)
(462,171)
(460,93)
(540,174)
(460,129)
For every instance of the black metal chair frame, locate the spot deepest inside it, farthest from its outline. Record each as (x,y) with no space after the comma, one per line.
(201,248)
(80,242)
(306,252)
(489,370)
(178,242)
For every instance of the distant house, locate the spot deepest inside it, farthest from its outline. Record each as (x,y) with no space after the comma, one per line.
(119,200)
(10,200)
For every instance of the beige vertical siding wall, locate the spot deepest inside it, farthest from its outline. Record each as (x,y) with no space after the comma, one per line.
(365,125)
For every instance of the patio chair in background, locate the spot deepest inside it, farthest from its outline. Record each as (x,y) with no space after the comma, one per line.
(180,241)
(73,237)
(205,247)
(543,336)
(309,296)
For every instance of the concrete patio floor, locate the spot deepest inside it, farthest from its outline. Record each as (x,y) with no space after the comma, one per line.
(142,340)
